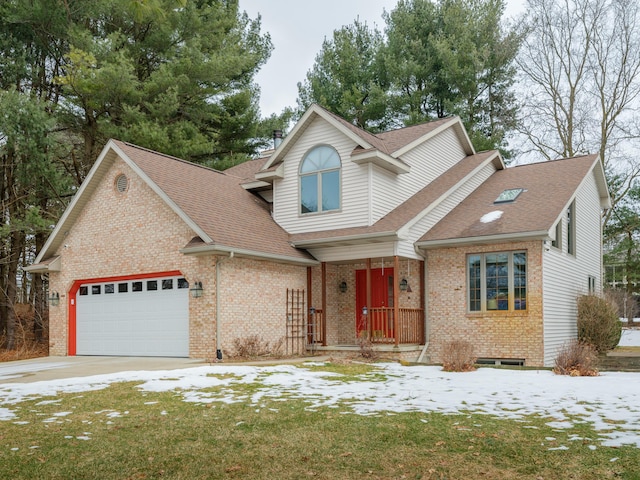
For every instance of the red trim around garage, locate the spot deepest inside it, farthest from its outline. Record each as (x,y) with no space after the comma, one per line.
(73,291)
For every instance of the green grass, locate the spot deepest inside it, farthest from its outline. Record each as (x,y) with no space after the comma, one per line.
(163,437)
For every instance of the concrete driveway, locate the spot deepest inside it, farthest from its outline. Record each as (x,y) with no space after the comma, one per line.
(52,368)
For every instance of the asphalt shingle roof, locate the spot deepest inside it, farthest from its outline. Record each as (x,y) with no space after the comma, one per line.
(226,212)
(548,189)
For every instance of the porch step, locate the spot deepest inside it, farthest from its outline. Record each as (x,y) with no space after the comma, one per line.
(619,362)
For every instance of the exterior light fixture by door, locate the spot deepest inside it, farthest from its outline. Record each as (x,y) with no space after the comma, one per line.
(343,286)
(365,310)
(312,310)
(54,299)
(404,285)
(196,290)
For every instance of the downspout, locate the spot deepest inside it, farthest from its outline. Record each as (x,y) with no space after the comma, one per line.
(218,322)
(424,290)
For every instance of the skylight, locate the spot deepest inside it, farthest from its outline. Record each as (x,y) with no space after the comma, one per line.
(509,195)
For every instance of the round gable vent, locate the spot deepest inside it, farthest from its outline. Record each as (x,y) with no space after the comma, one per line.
(122,183)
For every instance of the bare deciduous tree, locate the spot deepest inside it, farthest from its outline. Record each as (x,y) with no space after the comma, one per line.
(580,65)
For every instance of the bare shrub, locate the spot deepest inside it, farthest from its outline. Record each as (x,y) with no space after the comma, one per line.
(366,348)
(254,346)
(24,345)
(598,322)
(250,347)
(458,356)
(577,359)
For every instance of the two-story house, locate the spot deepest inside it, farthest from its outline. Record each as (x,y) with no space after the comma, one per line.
(407,239)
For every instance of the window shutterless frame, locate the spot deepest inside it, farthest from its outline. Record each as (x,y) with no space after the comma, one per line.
(496,281)
(320,181)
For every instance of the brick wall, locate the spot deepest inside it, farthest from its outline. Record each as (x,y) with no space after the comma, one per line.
(494,334)
(130,233)
(253,296)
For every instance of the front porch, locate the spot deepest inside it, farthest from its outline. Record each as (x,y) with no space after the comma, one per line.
(379,302)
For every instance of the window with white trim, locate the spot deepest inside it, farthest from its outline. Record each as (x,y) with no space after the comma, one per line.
(557,242)
(497,281)
(320,180)
(571,229)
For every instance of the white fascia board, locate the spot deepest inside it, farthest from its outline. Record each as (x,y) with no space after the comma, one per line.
(601,181)
(308,116)
(226,250)
(271,175)
(177,210)
(459,242)
(455,122)
(66,215)
(360,238)
(382,160)
(257,185)
(54,266)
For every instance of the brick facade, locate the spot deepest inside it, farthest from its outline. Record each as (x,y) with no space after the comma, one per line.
(118,234)
(502,334)
(253,296)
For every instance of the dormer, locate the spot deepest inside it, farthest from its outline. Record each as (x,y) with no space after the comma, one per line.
(328,173)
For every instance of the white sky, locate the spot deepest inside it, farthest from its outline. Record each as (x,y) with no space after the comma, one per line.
(609,402)
(297,30)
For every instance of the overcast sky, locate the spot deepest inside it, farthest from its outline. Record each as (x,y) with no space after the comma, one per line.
(297,30)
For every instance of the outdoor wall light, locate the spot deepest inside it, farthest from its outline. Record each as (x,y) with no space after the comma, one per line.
(365,310)
(343,286)
(54,299)
(196,290)
(312,310)
(404,285)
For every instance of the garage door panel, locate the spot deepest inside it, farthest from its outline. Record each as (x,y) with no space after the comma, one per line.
(139,318)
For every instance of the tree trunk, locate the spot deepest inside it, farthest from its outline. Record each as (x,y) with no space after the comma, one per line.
(12,272)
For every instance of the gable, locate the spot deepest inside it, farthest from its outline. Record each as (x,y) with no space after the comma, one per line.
(221,214)
(121,227)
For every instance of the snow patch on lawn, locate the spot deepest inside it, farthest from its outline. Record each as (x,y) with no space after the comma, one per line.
(607,402)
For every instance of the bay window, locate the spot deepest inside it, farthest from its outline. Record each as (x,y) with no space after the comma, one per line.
(497,281)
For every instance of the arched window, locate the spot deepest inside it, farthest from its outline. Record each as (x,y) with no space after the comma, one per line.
(320,180)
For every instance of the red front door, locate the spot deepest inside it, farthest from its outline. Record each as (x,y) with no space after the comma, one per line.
(381,294)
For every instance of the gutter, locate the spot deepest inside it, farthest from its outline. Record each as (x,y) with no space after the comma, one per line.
(450,242)
(318,242)
(224,250)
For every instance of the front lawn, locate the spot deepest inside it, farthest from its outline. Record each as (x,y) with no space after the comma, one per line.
(244,429)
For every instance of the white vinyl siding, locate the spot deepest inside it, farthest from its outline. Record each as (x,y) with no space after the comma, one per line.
(566,276)
(368,192)
(427,161)
(421,227)
(354,252)
(354,205)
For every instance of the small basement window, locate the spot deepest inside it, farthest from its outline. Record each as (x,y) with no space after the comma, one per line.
(509,195)
(511,362)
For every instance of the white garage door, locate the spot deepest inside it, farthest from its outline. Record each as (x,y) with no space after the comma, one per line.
(148,317)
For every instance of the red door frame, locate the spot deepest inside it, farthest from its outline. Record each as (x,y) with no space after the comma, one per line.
(73,291)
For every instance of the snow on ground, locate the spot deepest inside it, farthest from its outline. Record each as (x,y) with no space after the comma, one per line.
(608,402)
(630,337)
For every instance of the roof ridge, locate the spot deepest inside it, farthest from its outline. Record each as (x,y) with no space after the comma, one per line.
(543,162)
(442,119)
(171,157)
